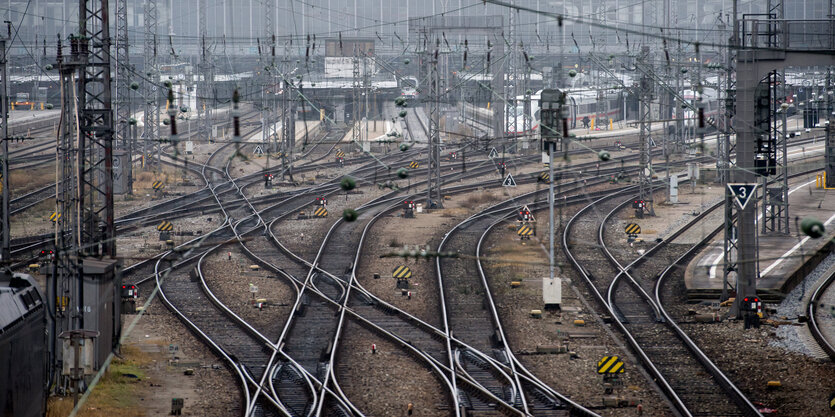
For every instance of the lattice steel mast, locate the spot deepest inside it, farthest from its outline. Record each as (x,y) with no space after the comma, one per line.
(123,106)
(726,150)
(85,155)
(5,226)
(433,197)
(645,156)
(150,135)
(205,86)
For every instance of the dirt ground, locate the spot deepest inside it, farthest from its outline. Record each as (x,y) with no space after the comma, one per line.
(146,376)
(584,345)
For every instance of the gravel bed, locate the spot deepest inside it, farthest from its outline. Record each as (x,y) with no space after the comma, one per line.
(789,336)
(144,242)
(303,236)
(806,382)
(388,236)
(577,376)
(383,384)
(218,391)
(231,282)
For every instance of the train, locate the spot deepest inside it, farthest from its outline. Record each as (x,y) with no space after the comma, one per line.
(583,104)
(23,349)
(591,108)
(712,108)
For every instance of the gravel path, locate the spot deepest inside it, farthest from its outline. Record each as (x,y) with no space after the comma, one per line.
(217,393)
(231,281)
(383,384)
(573,375)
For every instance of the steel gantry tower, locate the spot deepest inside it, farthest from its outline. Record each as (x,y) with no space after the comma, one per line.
(205,86)
(433,195)
(772,144)
(124,142)
(645,156)
(725,148)
(431,29)
(5,226)
(84,232)
(269,132)
(764,47)
(288,119)
(356,99)
(150,134)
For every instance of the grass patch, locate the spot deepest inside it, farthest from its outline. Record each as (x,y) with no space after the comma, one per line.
(475,199)
(394,243)
(116,394)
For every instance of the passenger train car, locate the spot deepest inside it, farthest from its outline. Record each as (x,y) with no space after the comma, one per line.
(711,105)
(582,103)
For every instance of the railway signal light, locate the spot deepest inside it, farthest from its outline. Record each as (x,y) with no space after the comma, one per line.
(130,291)
(322,201)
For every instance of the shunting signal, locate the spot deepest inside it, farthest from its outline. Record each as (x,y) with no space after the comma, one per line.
(340,154)
(322,201)
(130,291)
(525,215)
(409,208)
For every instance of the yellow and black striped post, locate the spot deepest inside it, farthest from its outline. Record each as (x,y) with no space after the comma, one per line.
(544,177)
(401,272)
(632,229)
(524,231)
(414,165)
(158,185)
(320,211)
(165,226)
(55,217)
(340,154)
(610,365)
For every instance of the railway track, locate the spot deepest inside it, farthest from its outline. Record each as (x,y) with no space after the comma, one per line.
(411,333)
(693,384)
(237,206)
(821,321)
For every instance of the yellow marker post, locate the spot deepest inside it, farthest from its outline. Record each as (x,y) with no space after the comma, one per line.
(321,115)
(611,125)
(488,106)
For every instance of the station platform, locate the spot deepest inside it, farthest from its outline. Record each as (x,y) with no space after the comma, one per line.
(25,115)
(622,128)
(784,260)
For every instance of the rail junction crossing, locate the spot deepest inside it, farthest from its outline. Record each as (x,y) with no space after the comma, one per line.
(211,196)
